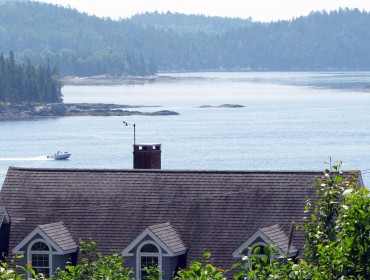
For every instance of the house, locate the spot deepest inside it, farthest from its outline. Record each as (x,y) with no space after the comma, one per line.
(167,217)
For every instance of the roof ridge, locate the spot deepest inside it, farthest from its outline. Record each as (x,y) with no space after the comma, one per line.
(99,170)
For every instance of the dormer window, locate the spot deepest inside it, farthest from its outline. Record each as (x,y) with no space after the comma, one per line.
(264,237)
(257,251)
(39,256)
(157,246)
(149,256)
(260,247)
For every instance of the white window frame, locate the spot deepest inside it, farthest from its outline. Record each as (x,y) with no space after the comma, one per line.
(49,253)
(140,254)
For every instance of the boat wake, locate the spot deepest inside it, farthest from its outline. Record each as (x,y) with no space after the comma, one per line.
(39,158)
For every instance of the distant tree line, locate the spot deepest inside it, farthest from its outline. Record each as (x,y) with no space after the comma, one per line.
(28,84)
(83,45)
(74,63)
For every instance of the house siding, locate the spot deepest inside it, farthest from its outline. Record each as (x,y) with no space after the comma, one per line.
(169,266)
(60,261)
(4,241)
(130,262)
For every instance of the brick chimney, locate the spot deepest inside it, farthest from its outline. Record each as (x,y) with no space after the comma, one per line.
(147,156)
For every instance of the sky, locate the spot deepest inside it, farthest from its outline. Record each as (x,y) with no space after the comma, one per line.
(258,10)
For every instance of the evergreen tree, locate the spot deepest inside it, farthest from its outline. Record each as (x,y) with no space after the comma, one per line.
(27,84)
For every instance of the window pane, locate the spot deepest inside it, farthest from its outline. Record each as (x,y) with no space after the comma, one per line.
(143,262)
(148,261)
(43,270)
(40,246)
(40,260)
(143,274)
(40,263)
(149,248)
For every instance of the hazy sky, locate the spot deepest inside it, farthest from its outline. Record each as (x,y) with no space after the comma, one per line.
(258,10)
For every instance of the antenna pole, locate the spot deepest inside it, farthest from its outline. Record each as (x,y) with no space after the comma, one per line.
(134,134)
(134,125)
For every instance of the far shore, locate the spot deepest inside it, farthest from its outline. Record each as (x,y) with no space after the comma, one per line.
(108,80)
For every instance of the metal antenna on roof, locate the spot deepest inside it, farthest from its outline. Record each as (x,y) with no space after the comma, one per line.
(290,238)
(127,124)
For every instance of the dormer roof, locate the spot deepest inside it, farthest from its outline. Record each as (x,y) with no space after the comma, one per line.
(55,234)
(272,235)
(164,235)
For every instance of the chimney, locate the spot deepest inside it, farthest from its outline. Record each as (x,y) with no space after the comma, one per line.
(147,156)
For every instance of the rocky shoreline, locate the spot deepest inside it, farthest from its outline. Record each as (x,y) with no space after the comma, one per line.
(108,80)
(8,112)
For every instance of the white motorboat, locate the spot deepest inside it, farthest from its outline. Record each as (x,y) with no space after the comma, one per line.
(60,155)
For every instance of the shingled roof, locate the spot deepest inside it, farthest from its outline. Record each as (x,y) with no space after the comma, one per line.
(278,236)
(168,235)
(60,235)
(212,211)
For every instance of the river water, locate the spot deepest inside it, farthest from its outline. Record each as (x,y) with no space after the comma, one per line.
(291,121)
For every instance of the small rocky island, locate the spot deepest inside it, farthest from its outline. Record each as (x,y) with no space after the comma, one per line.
(75,109)
(221,106)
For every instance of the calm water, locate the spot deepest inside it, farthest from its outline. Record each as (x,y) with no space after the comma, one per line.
(291,121)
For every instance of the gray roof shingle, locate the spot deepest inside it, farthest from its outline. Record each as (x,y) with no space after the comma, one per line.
(59,233)
(169,236)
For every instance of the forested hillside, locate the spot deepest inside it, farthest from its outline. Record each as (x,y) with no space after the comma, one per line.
(79,44)
(76,43)
(189,23)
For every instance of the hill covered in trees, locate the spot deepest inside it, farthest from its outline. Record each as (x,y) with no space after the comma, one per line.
(83,45)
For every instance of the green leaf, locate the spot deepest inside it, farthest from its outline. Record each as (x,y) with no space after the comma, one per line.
(206,255)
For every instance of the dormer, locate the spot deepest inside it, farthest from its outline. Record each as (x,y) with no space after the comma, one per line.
(158,245)
(268,236)
(47,247)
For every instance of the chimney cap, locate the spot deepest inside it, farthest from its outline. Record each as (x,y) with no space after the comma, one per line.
(148,144)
